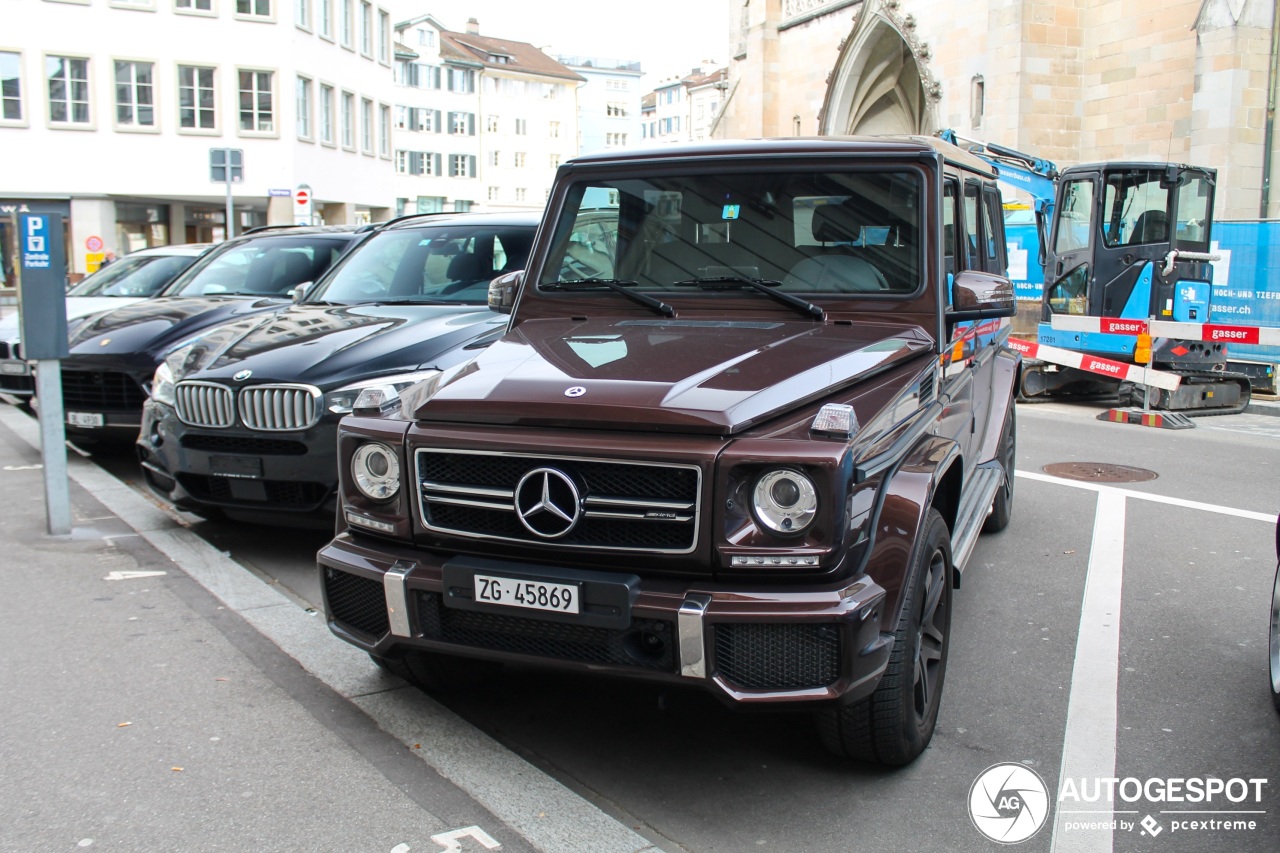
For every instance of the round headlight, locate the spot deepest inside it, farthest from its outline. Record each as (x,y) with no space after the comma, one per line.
(376,471)
(785,501)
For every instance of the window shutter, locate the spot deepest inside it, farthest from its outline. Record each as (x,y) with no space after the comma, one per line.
(435,77)
(471,166)
(438,170)
(436,125)
(471,126)
(415,162)
(452,119)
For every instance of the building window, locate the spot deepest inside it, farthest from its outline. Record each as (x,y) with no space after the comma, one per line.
(303,13)
(366,125)
(254,8)
(795,125)
(384,130)
(522,127)
(193,5)
(491,124)
(384,37)
(519,160)
(462,124)
(257,114)
(553,130)
(615,140)
(426,37)
(494,157)
(520,193)
(304,108)
(417,163)
(366,29)
(325,8)
(462,80)
(348,120)
(977,101)
(326,114)
(196,98)
(493,193)
(68,89)
(461,205)
(135,94)
(462,166)
(555,161)
(616,110)
(10,86)
(345,23)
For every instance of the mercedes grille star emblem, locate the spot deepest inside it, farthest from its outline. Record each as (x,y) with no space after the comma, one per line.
(242,375)
(575,391)
(547,503)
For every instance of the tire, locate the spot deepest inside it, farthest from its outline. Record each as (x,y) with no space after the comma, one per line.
(1273,645)
(1006,452)
(437,672)
(895,723)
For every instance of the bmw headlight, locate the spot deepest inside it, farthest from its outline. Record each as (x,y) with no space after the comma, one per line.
(377,392)
(162,384)
(784,501)
(375,468)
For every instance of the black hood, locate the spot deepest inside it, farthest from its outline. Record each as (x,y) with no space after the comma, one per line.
(150,328)
(330,346)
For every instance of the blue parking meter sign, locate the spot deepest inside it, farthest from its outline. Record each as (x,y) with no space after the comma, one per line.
(35,242)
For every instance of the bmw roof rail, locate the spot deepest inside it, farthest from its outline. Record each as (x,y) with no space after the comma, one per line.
(408,216)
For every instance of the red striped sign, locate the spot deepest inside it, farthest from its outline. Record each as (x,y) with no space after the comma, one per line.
(1118,370)
(1212,332)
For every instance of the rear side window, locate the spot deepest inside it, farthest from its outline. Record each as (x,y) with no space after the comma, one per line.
(266,267)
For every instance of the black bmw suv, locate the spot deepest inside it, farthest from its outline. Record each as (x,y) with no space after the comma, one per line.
(107,375)
(243,421)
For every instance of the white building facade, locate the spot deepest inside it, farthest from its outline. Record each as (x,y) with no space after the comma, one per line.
(111,108)
(608,102)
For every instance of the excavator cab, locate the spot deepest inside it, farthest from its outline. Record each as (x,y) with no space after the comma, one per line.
(1131,241)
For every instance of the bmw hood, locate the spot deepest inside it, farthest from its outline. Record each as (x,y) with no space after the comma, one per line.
(153,326)
(329,346)
(709,376)
(77,307)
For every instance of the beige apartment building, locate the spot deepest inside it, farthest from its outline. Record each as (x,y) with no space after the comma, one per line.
(1075,81)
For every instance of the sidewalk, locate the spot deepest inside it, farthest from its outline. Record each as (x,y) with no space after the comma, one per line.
(157,696)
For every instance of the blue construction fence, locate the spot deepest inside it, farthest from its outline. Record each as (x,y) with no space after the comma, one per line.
(1246,280)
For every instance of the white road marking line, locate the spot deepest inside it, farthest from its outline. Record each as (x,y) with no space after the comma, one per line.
(128,576)
(1103,488)
(1089,746)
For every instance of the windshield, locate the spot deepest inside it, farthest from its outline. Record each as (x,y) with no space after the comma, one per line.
(448,263)
(815,233)
(144,276)
(261,267)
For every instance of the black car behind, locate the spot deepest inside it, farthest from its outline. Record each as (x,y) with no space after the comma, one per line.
(244,419)
(107,376)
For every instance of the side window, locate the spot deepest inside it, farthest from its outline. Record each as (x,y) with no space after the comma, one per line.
(997,260)
(1136,209)
(1075,213)
(1195,201)
(949,218)
(971,220)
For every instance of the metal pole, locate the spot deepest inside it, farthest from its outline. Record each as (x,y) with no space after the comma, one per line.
(53,446)
(230,207)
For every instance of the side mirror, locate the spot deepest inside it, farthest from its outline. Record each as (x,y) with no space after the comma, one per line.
(502,291)
(299,290)
(981,296)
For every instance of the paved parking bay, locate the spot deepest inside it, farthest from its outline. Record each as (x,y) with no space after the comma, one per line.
(1166,685)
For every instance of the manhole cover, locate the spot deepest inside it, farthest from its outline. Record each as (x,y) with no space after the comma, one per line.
(1099,472)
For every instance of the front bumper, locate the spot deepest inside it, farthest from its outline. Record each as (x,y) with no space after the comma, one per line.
(16,378)
(237,469)
(749,646)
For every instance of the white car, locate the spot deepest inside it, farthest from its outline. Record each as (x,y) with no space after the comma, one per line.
(139,275)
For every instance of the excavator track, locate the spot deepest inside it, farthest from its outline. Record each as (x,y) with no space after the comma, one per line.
(1132,394)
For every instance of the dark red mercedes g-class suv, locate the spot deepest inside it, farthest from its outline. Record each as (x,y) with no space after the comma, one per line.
(751,411)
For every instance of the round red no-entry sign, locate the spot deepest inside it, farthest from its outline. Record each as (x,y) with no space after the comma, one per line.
(302,196)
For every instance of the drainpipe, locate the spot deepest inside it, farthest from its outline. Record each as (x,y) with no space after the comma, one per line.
(1268,134)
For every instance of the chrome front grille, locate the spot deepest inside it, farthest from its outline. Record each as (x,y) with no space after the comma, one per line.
(279,408)
(204,404)
(608,504)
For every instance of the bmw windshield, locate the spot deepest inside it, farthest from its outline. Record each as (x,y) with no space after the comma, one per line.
(269,266)
(444,264)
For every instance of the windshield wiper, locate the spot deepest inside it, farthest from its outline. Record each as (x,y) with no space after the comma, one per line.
(763,285)
(618,286)
(418,300)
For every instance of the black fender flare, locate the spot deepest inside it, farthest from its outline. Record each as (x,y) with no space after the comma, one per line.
(928,474)
(1005,375)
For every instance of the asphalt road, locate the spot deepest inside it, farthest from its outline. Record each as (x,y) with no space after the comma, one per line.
(1170,578)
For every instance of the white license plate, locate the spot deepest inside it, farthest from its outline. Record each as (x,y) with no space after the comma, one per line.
(86,419)
(529,595)
(14,368)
